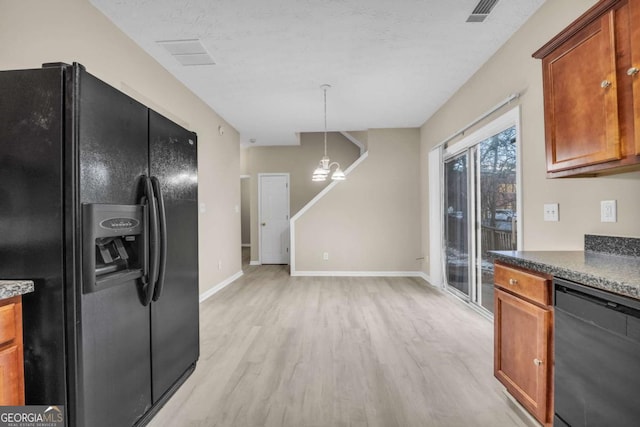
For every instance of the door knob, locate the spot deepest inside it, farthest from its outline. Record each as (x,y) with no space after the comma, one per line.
(605,84)
(633,71)
(537,362)
(263,224)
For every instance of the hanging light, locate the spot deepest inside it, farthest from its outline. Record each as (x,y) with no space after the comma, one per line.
(338,175)
(324,166)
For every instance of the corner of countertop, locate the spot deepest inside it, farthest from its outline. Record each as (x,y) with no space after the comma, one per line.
(12,288)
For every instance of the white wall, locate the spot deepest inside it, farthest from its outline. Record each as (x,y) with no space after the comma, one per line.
(33,32)
(510,70)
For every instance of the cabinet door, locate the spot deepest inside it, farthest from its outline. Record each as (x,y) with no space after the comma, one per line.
(633,73)
(581,102)
(10,376)
(521,352)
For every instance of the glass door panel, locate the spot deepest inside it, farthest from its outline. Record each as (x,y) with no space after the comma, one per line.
(480,212)
(495,159)
(456,181)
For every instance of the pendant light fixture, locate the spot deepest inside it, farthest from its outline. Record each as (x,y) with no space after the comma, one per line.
(324,167)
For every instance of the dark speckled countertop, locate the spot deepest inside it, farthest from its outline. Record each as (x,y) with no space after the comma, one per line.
(12,288)
(614,273)
(608,262)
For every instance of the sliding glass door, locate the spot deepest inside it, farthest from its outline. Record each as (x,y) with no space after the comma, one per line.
(480,210)
(456,223)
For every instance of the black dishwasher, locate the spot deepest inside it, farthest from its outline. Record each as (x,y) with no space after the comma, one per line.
(597,357)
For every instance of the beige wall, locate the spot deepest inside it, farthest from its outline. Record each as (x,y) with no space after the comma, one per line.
(511,70)
(34,32)
(299,161)
(371,222)
(244,155)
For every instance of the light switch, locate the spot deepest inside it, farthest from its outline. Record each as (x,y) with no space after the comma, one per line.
(203,208)
(551,212)
(608,211)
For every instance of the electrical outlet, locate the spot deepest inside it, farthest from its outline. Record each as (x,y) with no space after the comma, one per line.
(325,256)
(608,211)
(551,212)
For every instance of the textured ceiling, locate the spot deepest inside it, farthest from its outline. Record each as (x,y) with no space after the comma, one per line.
(391,63)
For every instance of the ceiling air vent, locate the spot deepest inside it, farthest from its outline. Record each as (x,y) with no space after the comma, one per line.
(188,52)
(482,10)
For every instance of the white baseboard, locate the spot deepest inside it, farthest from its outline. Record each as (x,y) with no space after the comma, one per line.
(217,288)
(359,273)
(424,276)
(427,279)
(255,263)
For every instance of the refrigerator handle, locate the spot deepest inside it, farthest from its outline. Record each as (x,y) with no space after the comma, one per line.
(163,238)
(152,248)
(145,243)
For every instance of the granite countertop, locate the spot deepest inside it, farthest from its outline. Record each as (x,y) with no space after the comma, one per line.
(611,272)
(12,288)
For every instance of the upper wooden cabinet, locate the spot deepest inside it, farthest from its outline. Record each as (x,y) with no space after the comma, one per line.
(592,92)
(633,71)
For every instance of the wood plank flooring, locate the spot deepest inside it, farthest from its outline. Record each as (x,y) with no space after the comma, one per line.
(296,351)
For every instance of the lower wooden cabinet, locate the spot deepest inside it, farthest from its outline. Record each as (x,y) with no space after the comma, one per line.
(523,356)
(11,352)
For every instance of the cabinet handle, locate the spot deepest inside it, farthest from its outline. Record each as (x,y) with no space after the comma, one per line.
(513,282)
(633,71)
(605,84)
(537,362)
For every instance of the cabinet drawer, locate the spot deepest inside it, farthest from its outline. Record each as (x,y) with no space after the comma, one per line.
(7,323)
(523,283)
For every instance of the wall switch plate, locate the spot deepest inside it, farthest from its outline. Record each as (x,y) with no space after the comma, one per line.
(608,211)
(203,207)
(551,212)
(325,256)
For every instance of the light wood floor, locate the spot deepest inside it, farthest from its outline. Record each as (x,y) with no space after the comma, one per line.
(286,351)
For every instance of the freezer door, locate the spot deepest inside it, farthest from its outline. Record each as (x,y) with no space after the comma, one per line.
(114,367)
(174,313)
(31,220)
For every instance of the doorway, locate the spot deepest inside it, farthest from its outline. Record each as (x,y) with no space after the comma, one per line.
(481,207)
(245,218)
(273,217)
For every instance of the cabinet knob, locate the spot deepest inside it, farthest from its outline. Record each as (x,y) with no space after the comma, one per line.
(537,362)
(513,282)
(605,84)
(633,71)
(263,224)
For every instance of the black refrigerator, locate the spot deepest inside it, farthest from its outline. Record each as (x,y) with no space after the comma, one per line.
(98,205)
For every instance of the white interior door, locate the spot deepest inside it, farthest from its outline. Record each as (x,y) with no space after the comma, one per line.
(273,193)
